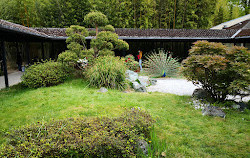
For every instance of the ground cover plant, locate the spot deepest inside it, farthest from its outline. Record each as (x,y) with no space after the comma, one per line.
(219,70)
(81,137)
(184,132)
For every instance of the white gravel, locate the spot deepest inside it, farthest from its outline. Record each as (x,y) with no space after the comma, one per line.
(173,86)
(181,87)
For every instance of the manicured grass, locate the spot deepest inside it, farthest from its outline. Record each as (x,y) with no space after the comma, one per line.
(183,130)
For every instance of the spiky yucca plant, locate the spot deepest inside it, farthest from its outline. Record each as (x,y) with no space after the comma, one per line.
(159,62)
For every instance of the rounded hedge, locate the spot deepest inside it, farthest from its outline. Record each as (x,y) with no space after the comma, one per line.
(81,137)
(44,74)
(109,72)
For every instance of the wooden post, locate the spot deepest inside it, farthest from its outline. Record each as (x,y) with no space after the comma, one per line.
(4,65)
(42,44)
(52,55)
(28,52)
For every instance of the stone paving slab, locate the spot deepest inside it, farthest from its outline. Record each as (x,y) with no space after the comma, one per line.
(14,78)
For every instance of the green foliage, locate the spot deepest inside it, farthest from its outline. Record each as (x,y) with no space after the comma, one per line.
(44,74)
(81,137)
(109,72)
(109,28)
(218,70)
(68,57)
(131,63)
(107,40)
(96,19)
(160,62)
(124,14)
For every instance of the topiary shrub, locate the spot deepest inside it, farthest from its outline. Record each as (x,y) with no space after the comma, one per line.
(218,70)
(109,72)
(44,74)
(131,63)
(161,62)
(68,58)
(81,137)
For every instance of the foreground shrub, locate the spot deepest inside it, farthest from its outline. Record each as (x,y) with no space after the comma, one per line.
(107,71)
(81,137)
(160,62)
(131,63)
(44,74)
(217,69)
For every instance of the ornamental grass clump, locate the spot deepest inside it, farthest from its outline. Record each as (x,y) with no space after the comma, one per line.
(160,62)
(109,72)
(81,137)
(45,74)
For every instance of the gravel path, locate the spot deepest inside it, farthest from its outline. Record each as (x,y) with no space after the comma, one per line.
(173,86)
(181,87)
(14,78)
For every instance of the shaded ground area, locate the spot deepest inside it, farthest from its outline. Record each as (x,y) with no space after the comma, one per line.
(14,78)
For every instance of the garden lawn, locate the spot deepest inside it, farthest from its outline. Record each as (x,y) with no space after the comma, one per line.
(185,131)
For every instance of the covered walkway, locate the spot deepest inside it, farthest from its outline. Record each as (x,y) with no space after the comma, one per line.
(14,78)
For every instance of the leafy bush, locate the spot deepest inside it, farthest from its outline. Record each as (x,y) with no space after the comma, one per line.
(68,57)
(107,71)
(81,137)
(159,62)
(131,63)
(44,74)
(219,70)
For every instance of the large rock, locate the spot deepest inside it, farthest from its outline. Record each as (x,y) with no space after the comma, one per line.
(139,87)
(213,111)
(143,145)
(102,90)
(200,94)
(131,75)
(144,80)
(153,81)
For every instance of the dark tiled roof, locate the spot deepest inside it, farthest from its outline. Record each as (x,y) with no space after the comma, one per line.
(54,32)
(245,32)
(175,33)
(5,25)
(59,33)
(242,25)
(161,33)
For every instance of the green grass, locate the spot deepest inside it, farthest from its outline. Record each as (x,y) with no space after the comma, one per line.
(180,130)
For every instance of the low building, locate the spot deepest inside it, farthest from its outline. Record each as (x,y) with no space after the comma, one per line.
(28,45)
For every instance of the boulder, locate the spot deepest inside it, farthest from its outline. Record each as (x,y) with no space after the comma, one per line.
(102,90)
(143,145)
(153,81)
(200,93)
(131,75)
(139,87)
(241,106)
(213,111)
(144,80)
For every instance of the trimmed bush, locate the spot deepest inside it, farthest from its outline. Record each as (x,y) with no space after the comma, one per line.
(218,70)
(131,63)
(159,62)
(81,137)
(68,57)
(44,74)
(109,72)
